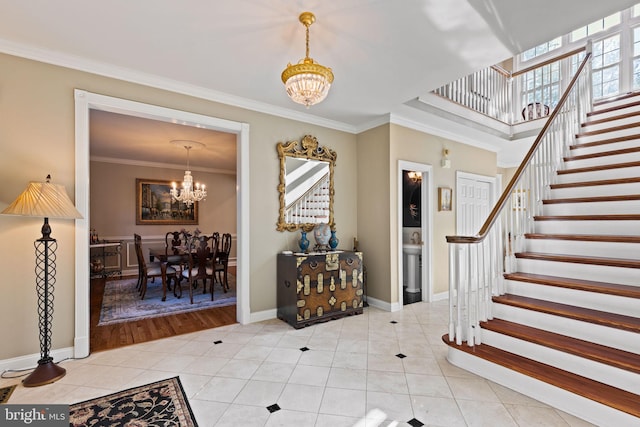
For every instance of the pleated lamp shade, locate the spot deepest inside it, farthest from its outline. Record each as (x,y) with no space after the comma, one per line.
(43,199)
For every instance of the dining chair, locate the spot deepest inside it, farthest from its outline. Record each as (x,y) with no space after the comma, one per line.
(200,253)
(222,262)
(151,270)
(174,252)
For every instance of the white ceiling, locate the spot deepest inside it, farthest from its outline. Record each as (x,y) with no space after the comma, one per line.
(383,53)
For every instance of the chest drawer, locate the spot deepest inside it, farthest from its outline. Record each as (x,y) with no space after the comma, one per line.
(327,286)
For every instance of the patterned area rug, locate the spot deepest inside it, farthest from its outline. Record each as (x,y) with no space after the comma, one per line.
(5,393)
(121,301)
(162,403)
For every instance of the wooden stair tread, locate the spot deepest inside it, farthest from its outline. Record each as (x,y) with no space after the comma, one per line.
(599,168)
(591,260)
(602,154)
(585,237)
(608,129)
(627,291)
(613,397)
(603,217)
(615,181)
(603,318)
(619,198)
(600,353)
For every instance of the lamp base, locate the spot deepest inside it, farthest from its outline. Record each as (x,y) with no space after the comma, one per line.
(45,373)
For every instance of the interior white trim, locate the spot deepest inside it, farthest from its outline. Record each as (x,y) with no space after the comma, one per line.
(85,101)
(426,230)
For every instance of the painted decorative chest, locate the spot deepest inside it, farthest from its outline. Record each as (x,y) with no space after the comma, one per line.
(315,288)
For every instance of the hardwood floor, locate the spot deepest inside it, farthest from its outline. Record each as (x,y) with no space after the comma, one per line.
(127,333)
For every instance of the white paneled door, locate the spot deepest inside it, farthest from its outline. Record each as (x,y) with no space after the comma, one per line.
(475,200)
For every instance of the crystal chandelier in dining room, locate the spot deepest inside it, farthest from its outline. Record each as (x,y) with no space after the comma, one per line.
(188,194)
(307,82)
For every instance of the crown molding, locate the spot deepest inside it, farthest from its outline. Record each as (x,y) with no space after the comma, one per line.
(155,81)
(130,162)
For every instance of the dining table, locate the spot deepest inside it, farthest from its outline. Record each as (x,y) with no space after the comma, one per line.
(161,255)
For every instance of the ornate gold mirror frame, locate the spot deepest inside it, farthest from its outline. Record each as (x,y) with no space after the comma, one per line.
(307,149)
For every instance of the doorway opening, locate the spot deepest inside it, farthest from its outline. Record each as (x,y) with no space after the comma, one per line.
(415,218)
(85,102)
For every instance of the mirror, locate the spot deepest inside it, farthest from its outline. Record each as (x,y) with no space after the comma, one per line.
(306,184)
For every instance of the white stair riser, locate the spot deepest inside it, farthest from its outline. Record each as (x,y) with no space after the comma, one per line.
(615,120)
(597,273)
(595,190)
(611,337)
(608,135)
(615,377)
(603,160)
(595,208)
(623,105)
(629,228)
(574,404)
(628,172)
(579,150)
(597,249)
(593,300)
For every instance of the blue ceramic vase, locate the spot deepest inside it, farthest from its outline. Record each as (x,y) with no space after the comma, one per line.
(333,241)
(303,242)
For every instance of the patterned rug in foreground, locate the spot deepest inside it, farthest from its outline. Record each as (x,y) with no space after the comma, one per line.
(162,403)
(5,393)
(121,301)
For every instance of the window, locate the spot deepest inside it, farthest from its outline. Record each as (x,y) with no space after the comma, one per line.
(597,26)
(542,49)
(606,67)
(542,85)
(636,57)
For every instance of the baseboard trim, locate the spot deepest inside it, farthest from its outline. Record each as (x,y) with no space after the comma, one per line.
(440,296)
(260,316)
(382,305)
(30,361)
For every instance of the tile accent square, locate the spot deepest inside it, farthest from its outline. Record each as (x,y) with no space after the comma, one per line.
(273,408)
(400,355)
(415,423)
(305,349)
(393,321)
(217,342)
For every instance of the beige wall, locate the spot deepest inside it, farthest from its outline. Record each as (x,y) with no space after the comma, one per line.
(113,203)
(374,209)
(37,137)
(113,200)
(419,147)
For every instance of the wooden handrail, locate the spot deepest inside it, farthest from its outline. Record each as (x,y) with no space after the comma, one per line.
(548,61)
(493,216)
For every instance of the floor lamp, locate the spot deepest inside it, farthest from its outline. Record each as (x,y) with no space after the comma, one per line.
(44,200)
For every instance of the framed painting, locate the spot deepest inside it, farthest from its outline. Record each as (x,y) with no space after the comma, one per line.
(155,206)
(445,196)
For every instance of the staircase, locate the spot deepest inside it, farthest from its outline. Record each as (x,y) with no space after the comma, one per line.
(313,206)
(566,330)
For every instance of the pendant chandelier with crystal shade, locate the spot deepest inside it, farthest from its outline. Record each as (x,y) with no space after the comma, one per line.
(188,194)
(307,82)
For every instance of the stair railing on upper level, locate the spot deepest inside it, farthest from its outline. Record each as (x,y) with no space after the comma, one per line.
(513,97)
(477,263)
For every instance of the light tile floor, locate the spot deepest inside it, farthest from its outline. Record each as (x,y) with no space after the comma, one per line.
(349,376)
